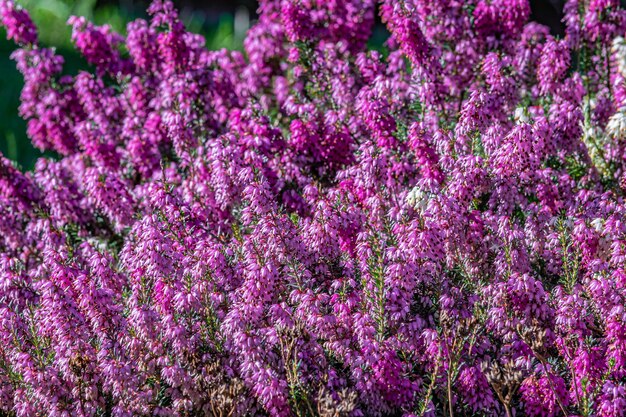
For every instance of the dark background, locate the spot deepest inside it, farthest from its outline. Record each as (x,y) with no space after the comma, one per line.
(214,19)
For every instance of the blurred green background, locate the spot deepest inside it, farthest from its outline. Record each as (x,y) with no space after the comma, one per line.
(215,22)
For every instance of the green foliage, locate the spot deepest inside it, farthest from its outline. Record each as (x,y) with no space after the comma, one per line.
(13,141)
(51,16)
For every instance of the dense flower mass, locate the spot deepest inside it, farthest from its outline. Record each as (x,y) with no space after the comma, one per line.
(313,228)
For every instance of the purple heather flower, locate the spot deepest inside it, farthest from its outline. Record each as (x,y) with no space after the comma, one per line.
(18,23)
(310,226)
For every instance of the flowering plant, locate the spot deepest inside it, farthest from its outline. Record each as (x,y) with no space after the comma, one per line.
(313,228)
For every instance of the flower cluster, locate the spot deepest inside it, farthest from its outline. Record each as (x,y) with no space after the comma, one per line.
(312,228)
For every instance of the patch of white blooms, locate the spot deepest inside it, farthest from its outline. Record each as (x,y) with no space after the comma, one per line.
(619,50)
(616,126)
(521,115)
(418,199)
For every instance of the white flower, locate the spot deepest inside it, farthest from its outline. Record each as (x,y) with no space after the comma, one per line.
(521,115)
(617,124)
(619,52)
(597,224)
(418,199)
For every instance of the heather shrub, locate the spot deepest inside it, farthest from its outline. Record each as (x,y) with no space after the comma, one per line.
(312,228)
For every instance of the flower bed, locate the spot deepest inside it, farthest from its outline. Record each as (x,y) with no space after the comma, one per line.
(312,228)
